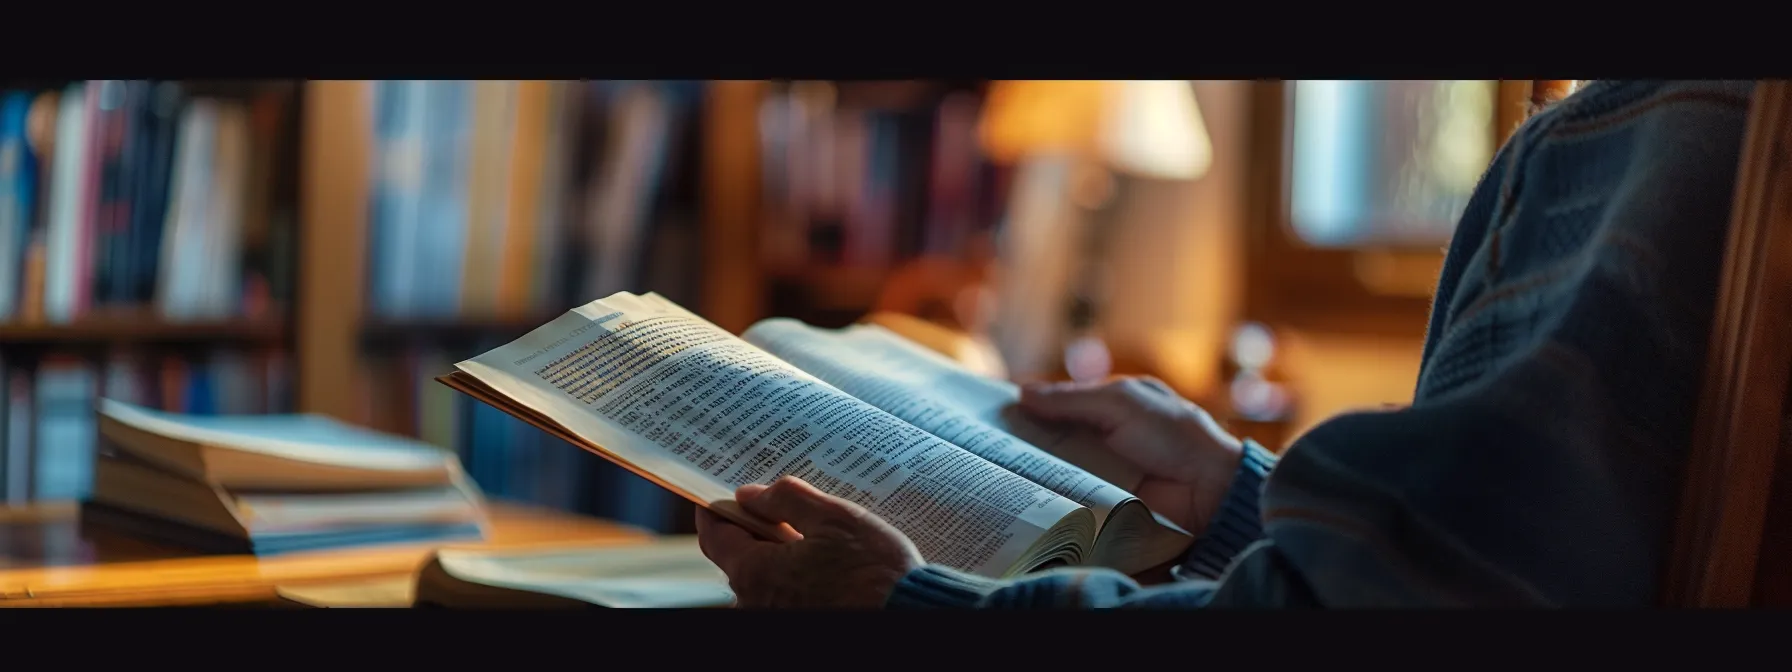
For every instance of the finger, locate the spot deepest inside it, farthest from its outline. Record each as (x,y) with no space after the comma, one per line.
(1104,406)
(782,530)
(1160,386)
(724,542)
(793,501)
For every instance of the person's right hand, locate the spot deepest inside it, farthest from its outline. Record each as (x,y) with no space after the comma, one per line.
(1188,460)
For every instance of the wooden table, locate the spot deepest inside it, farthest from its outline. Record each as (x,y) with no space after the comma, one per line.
(48,559)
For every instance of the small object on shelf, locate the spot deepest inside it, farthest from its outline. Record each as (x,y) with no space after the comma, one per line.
(1259,402)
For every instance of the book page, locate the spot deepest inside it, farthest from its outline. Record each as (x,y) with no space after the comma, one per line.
(270,512)
(705,412)
(397,592)
(931,392)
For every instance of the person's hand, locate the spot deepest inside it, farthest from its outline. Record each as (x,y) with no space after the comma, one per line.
(836,554)
(1188,460)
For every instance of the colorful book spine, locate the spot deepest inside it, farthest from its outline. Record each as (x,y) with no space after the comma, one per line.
(18,196)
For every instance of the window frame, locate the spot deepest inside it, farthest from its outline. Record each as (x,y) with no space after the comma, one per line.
(1375,288)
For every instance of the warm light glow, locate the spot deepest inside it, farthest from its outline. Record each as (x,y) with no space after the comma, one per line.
(1146,128)
(1029,117)
(1154,129)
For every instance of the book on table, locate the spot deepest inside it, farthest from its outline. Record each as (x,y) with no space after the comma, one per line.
(668,572)
(269,484)
(861,413)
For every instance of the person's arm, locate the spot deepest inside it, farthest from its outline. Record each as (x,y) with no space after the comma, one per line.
(1235,562)
(1358,513)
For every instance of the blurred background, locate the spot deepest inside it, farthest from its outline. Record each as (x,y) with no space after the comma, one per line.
(1266,248)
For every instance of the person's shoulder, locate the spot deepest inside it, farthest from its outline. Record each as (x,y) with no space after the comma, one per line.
(1605,105)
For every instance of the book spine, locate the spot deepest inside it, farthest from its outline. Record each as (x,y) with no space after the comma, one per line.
(388,115)
(221,289)
(114,151)
(62,244)
(184,263)
(161,118)
(404,162)
(66,431)
(260,246)
(123,379)
(529,177)
(558,196)
(20,426)
(7,489)
(18,195)
(99,133)
(443,232)
(172,379)
(41,133)
(199,391)
(488,167)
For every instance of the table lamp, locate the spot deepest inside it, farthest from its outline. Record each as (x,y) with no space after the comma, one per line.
(1073,145)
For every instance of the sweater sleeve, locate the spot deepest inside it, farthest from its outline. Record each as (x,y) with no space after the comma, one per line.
(1238,523)
(1331,535)
(1367,512)
(1237,526)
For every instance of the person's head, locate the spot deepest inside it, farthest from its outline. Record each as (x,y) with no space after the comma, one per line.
(1547,92)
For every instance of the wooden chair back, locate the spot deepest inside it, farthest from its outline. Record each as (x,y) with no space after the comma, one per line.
(1739,475)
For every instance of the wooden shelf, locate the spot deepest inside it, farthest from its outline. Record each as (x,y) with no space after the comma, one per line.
(123,329)
(386,332)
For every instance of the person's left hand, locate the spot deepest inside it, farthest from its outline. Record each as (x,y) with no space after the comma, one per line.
(841,555)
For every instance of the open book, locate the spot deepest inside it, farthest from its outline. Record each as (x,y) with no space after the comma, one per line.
(860,413)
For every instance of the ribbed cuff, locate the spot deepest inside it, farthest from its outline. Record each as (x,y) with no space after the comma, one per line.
(936,587)
(1238,523)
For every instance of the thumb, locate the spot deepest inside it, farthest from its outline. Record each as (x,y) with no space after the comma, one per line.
(793,501)
(1104,406)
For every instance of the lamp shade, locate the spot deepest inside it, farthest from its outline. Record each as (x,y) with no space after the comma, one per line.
(1030,117)
(1146,128)
(1154,129)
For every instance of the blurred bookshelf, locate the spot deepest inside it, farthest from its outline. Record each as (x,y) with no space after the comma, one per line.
(373,233)
(740,199)
(147,254)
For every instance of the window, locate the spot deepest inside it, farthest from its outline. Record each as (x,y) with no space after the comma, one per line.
(1356,187)
(1386,163)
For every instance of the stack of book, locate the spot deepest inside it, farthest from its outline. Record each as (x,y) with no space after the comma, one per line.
(270,484)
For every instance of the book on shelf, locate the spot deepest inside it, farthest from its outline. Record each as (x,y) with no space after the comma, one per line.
(666,573)
(495,180)
(939,452)
(119,194)
(47,432)
(271,484)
